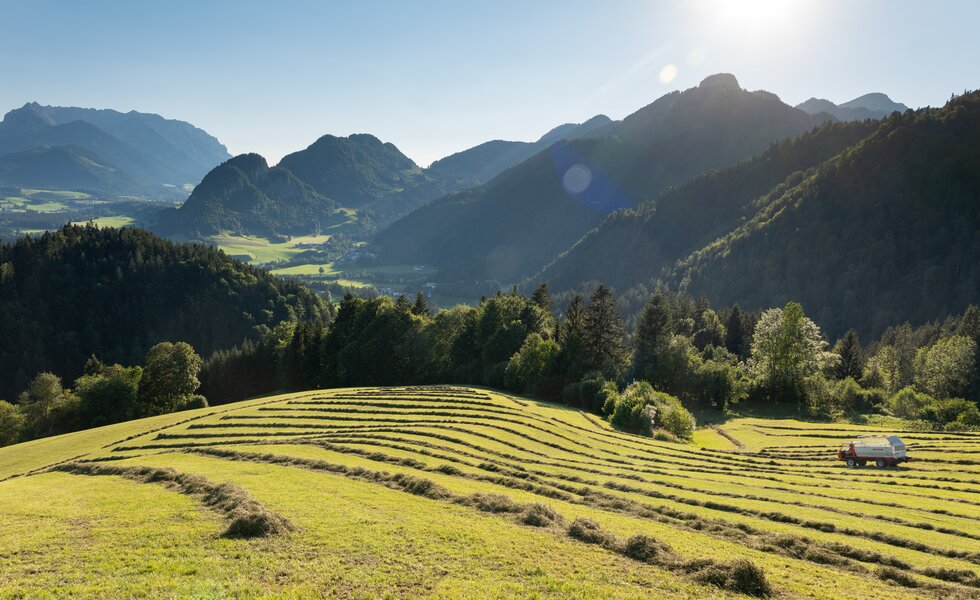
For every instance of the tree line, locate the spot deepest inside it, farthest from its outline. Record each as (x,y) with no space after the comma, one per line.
(693,357)
(105,394)
(682,358)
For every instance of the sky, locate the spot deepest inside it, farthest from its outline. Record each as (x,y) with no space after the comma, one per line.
(435,77)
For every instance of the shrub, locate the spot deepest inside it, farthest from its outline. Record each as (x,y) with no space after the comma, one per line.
(951,411)
(608,398)
(588,531)
(647,549)
(677,420)
(11,423)
(541,515)
(907,403)
(586,393)
(194,401)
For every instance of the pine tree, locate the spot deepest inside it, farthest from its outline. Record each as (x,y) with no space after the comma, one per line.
(851,357)
(736,338)
(652,336)
(604,335)
(574,321)
(542,298)
(421,307)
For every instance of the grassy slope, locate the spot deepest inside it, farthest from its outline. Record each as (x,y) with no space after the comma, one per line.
(110,536)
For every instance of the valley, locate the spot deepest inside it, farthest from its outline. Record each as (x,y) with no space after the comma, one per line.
(490,300)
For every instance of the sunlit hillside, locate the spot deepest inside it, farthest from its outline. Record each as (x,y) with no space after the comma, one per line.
(453,492)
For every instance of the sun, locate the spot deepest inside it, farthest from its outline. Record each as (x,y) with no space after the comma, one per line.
(750,17)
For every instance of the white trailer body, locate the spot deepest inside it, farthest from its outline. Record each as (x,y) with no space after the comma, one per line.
(884,451)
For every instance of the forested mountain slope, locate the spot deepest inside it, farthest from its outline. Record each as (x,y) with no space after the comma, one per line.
(243,195)
(515,224)
(635,246)
(362,172)
(115,292)
(887,231)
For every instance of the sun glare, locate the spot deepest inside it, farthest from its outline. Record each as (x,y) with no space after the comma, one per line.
(754,16)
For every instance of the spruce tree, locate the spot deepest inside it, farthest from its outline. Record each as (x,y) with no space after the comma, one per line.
(604,335)
(542,298)
(421,307)
(851,357)
(736,338)
(653,333)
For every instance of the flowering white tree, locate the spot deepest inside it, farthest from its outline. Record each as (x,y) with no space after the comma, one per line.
(787,347)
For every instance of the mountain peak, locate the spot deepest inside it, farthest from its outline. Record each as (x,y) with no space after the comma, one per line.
(876,101)
(720,80)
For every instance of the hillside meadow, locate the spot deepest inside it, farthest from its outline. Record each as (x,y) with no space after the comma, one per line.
(466,492)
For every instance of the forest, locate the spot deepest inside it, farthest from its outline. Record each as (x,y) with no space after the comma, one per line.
(84,290)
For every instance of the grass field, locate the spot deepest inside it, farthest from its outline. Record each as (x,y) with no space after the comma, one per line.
(261,250)
(436,492)
(115,221)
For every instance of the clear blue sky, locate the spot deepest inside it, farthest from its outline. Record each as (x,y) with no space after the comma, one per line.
(435,77)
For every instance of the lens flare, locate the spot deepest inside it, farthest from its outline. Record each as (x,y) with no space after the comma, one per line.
(668,74)
(577,179)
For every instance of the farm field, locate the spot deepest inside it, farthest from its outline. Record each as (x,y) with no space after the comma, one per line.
(467,492)
(261,250)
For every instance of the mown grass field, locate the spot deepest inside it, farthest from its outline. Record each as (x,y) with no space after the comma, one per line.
(435,492)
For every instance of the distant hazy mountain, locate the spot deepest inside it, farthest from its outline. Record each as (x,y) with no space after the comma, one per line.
(484,162)
(868,106)
(67,168)
(521,220)
(152,153)
(243,195)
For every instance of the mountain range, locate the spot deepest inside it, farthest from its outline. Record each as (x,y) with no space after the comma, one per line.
(869,106)
(515,224)
(358,172)
(103,152)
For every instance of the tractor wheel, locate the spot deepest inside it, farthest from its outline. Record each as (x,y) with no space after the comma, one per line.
(851,462)
(861,463)
(881,463)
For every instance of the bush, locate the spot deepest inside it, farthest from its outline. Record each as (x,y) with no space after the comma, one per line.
(943,413)
(719,384)
(676,420)
(586,393)
(588,531)
(855,399)
(194,401)
(608,398)
(541,515)
(647,549)
(906,403)
(11,423)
